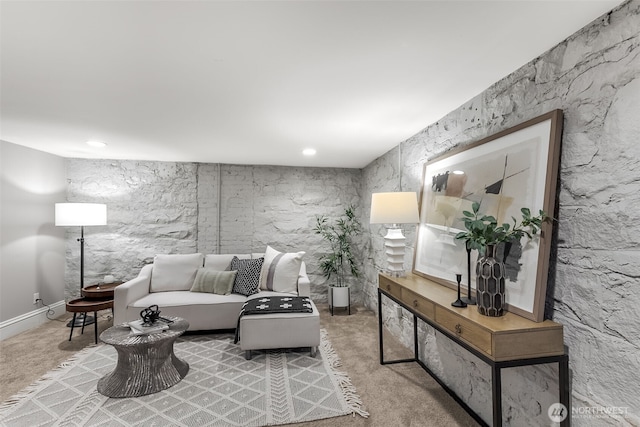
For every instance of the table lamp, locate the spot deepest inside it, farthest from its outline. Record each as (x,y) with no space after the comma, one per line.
(81,214)
(394,209)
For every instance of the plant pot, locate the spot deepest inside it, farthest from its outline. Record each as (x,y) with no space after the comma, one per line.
(490,288)
(339,296)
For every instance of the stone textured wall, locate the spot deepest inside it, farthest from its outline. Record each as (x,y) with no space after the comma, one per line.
(277,206)
(162,207)
(152,208)
(594,77)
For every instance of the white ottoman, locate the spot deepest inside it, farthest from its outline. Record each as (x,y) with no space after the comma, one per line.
(280,330)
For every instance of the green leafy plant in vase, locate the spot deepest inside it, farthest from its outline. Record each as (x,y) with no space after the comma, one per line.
(484,234)
(340,261)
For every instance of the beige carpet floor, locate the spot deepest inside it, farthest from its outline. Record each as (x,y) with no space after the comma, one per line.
(399,395)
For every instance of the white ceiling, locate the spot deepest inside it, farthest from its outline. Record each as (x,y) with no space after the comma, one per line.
(255,82)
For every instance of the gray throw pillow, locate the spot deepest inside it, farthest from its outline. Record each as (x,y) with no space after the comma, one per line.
(248,278)
(213,281)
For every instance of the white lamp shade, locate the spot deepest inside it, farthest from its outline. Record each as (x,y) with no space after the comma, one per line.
(394,208)
(80,214)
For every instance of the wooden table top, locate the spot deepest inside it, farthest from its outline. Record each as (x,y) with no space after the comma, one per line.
(100,291)
(83,305)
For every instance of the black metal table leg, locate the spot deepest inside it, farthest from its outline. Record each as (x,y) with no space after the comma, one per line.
(496,387)
(563,368)
(95,326)
(73,322)
(380,327)
(415,337)
(84,322)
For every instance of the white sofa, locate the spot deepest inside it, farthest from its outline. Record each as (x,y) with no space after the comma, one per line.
(203,311)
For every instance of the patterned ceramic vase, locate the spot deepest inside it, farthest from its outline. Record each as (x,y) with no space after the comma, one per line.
(490,289)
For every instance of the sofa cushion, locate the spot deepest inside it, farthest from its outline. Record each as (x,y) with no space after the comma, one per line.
(222,262)
(280,271)
(248,278)
(213,281)
(203,311)
(174,272)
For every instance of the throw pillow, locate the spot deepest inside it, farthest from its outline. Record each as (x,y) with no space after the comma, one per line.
(174,272)
(280,271)
(248,277)
(213,281)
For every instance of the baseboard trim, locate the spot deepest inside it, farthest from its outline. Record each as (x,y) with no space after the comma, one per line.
(30,320)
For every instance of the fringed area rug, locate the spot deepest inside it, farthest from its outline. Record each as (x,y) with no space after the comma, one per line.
(221,389)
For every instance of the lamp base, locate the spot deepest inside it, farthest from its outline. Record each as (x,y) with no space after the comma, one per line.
(394,244)
(80,318)
(396,273)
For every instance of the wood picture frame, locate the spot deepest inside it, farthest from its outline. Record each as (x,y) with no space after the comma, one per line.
(505,172)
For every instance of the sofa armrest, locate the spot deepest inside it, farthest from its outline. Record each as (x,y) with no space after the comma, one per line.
(129,292)
(304,284)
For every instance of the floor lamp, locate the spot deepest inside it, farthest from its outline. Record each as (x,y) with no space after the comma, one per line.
(81,214)
(394,208)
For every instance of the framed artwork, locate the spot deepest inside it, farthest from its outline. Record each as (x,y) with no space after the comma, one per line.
(505,172)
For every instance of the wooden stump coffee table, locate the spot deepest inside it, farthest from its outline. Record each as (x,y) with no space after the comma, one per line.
(146,363)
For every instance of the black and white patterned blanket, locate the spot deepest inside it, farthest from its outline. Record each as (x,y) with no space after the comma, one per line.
(268,305)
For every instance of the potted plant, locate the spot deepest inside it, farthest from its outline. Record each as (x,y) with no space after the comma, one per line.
(484,234)
(340,261)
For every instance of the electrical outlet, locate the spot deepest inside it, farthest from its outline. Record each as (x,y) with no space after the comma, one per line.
(36,297)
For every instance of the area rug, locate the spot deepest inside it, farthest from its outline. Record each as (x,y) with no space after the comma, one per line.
(222,388)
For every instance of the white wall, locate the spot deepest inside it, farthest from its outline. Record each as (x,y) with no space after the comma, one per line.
(33,248)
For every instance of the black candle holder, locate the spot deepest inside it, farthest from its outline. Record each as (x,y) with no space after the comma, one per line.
(459,302)
(469,299)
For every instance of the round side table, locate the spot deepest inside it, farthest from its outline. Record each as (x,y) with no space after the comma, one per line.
(83,305)
(100,291)
(146,363)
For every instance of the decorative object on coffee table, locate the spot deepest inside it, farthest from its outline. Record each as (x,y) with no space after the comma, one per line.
(150,315)
(459,303)
(146,363)
(80,214)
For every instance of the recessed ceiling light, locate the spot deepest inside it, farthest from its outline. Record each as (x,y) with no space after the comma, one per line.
(458,172)
(98,144)
(309,152)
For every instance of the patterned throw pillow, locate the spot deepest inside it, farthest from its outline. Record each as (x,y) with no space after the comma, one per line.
(248,276)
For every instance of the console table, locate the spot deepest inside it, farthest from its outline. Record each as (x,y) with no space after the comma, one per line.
(501,342)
